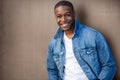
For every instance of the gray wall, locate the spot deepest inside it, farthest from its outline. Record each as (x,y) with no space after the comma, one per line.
(26,27)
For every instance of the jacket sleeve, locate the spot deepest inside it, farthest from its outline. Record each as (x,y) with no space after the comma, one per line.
(51,66)
(108,67)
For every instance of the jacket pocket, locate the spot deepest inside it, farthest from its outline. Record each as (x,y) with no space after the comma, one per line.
(89,54)
(88,51)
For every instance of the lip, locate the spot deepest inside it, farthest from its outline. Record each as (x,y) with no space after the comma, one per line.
(65,24)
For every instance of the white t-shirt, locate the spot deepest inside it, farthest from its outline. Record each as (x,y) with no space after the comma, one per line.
(73,71)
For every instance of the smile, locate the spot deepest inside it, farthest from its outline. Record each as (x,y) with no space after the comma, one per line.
(66,24)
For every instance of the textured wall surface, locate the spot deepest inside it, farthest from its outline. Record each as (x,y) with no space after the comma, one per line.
(26,27)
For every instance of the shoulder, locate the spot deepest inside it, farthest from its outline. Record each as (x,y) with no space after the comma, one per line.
(93,33)
(88,31)
(82,28)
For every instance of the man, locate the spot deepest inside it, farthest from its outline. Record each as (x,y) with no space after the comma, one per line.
(77,52)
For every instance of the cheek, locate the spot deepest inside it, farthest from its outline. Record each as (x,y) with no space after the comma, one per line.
(70,18)
(58,21)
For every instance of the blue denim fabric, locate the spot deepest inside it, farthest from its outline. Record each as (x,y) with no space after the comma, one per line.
(90,49)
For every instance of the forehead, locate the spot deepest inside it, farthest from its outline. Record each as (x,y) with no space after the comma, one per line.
(63,9)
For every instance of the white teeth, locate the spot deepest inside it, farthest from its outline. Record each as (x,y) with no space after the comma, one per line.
(65,24)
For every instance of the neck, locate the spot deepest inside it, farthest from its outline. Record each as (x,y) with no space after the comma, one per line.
(70,33)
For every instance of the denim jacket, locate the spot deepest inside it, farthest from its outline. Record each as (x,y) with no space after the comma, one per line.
(90,49)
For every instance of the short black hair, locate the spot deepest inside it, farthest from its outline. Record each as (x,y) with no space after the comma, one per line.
(64,3)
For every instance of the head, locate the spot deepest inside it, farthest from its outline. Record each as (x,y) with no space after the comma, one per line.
(64,14)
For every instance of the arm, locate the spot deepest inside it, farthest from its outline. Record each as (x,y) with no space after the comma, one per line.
(51,66)
(108,67)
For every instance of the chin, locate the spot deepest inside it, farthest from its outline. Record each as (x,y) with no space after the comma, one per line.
(65,29)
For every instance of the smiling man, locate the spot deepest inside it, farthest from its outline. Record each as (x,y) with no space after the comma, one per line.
(77,52)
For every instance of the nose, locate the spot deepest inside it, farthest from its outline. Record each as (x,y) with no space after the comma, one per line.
(63,18)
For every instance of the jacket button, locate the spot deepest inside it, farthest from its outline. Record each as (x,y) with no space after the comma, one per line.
(61,53)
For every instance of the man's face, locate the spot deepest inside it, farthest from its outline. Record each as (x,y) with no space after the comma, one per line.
(64,17)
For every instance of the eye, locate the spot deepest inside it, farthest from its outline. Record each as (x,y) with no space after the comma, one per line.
(58,16)
(68,14)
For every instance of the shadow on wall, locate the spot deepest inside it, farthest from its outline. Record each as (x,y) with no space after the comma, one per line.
(81,15)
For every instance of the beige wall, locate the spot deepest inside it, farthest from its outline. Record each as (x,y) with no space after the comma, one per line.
(28,26)
(1,39)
